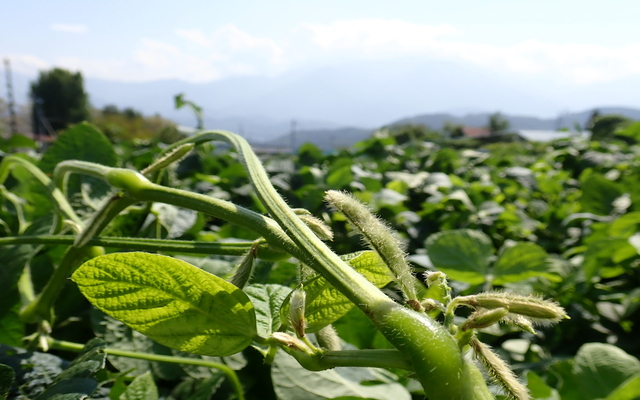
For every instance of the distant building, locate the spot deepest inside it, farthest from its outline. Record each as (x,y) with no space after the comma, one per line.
(475,132)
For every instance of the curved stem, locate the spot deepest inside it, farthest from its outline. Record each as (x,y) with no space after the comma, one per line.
(75,254)
(315,252)
(230,373)
(58,197)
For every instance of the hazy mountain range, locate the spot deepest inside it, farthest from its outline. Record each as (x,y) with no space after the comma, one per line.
(362,96)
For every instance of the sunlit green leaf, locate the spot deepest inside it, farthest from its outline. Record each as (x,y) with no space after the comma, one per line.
(172,302)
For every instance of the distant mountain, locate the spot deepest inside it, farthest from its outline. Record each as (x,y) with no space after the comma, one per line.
(568,120)
(363,94)
(325,139)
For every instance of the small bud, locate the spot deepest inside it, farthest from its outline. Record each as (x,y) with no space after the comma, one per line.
(290,341)
(435,277)
(415,305)
(520,322)
(244,270)
(296,311)
(328,338)
(431,304)
(318,227)
(484,318)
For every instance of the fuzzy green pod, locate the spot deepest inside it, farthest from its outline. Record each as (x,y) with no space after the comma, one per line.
(381,239)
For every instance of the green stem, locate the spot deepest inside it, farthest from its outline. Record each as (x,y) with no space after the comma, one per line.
(375,358)
(160,245)
(58,197)
(41,306)
(315,253)
(63,169)
(230,373)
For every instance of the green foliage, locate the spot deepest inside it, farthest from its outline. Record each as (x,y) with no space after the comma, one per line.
(497,124)
(560,220)
(605,127)
(129,124)
(60,95)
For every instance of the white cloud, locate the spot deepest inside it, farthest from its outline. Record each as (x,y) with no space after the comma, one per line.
(194,35)
(374,35)
(571,62)
(199,55)
(70,28)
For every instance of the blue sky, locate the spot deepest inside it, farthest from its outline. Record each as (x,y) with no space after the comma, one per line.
(569,42)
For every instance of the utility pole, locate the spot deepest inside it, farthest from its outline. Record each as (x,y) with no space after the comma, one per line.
(13,122)
(293,135)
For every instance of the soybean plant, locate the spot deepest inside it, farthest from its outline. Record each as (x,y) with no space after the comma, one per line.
(188,309)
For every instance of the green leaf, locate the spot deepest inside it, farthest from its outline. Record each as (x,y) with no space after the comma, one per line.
(15,257)
(6,380)
(12,328)
(292,382)
(599,256)
(325,304)
(340,177)
(357,329)
(90,361)
(520,262)
(597,370)
(539,390)
(69,389)
(266,300)
(142,388)
(34,372)
(119,336)
(598,194)
(172,302)
(628,390)
(463,254)
(86,143)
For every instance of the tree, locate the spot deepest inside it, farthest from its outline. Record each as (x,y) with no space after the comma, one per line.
(605,127)
(59,98)
(453,130)
(497,124)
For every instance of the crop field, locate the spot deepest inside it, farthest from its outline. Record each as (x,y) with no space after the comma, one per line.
(400,268)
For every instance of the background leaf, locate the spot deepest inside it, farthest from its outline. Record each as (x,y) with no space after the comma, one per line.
(598,194)
(172,302)
(520,262)
(6,380)
(292,382)
(86,143)
(142,388)
(463,254)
